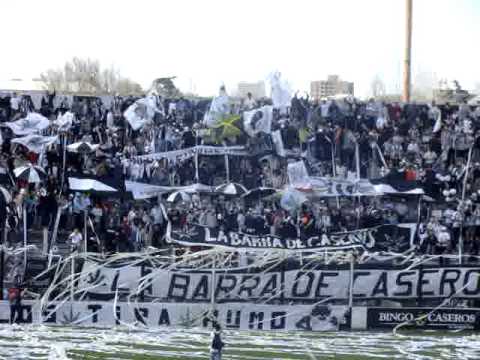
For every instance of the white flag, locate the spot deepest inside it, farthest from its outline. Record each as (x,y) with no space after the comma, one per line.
(298,175)
(141,112)
(258,120)
(278,142)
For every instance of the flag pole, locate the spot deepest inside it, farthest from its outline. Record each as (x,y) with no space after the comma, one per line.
(408,52)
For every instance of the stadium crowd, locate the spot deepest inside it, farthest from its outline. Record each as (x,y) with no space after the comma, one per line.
(434,147)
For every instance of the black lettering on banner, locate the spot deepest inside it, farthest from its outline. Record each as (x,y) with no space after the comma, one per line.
(422,281)
(118,312)
(144,271)
(248,288)
(356,275)
(304,323)
(381,287)
(271,286)
(95,309)
(225,288)
(278,321)
(400,282)
(164,318)
(308,287)
(256,318)
(51,314)
(322,285)
(474,277)
(179,282)
(446,279)
(201,290)
(141,314)
(114,286)
(233,323)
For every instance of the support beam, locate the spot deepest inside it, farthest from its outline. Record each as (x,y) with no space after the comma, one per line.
(408,52)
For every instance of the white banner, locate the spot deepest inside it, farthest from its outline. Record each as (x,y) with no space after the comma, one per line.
(229,316)
(185,154)
(288,285)
(145,191)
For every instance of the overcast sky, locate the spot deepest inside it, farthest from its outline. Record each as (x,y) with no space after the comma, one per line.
(209,42)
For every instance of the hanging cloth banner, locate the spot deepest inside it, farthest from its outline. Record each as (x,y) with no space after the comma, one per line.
(326,187)
(185,154)
(394,238)
(145,191)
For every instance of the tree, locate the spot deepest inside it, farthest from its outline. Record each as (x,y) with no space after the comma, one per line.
(86,76)
(377,87)
(165,87)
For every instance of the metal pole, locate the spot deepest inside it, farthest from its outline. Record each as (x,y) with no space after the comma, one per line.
(465,180)
(197,178)
(72,270)
(357,159)
(227,165)
(408,52)
(24,236)
(85,228)
(350,284)
(212,298)
(2,268)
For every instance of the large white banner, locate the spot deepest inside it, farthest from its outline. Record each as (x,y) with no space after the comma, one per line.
(229,316)
(288,285)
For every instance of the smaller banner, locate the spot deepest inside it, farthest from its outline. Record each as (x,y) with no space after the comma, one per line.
(185,154)
(398,238)
(423,318)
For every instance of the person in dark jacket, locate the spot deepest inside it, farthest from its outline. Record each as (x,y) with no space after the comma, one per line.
(217,343)
(15,294)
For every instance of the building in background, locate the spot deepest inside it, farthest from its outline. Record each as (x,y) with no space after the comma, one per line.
(257,89)
(330,87)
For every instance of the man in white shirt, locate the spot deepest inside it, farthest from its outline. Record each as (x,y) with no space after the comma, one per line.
(157,215)
(14,103)
(75,239)
(249,102)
